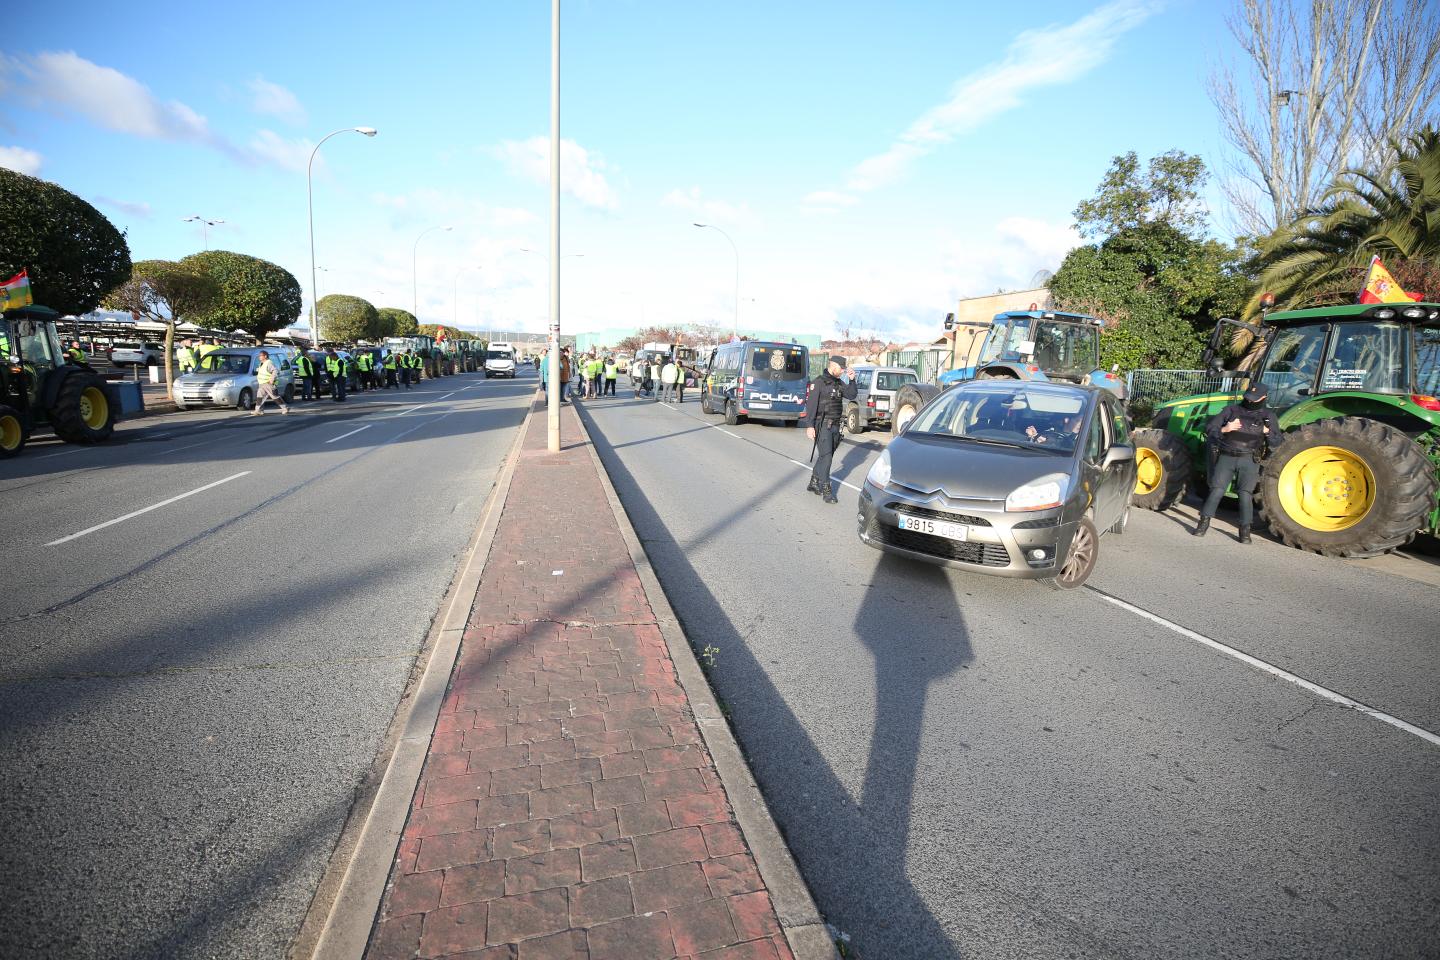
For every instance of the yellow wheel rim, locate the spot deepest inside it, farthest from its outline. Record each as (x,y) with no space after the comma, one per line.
(1327,489)
(94,408)
(9,433)
(1149,471)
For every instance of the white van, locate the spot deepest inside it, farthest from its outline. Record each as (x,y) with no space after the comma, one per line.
(500,360)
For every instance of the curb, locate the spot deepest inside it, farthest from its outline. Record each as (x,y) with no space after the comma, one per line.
(338,923)
(794,906)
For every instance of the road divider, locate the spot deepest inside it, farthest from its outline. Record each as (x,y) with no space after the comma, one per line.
(144,510)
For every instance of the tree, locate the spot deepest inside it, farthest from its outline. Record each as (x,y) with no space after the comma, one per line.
(74,255)
(345,319)
(1321,256)
(434,330)
(256,295)
(395,322)
(1166,192)
(168,293)
(1325,86)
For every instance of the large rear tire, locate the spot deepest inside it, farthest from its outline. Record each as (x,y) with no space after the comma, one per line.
(908,402)
(13,432)
(82,412)
(1162,468)
(1349,487)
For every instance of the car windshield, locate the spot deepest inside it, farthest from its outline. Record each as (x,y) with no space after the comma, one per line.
(1038,419)
(777,363)
(1427,360)
(1367,356)
(499,355)
(225,363)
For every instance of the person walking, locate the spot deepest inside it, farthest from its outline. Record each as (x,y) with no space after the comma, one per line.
(266,378)
(1238,435)
(824,410)
(612,370)
(597,376)
(305,373)
(185,357)
(335,367)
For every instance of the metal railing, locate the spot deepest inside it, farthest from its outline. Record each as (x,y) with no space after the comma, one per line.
(1159,386)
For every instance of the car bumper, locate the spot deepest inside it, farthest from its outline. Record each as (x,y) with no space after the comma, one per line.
(999,544)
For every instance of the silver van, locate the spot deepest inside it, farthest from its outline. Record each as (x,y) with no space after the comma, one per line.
(226,378)
(875,389)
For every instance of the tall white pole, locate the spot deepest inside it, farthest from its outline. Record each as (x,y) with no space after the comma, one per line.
(310,204)
(552,392)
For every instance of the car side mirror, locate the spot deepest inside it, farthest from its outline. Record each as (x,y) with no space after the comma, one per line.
(1119,453)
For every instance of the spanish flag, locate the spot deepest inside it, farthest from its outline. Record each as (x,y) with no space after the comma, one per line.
(15,292)
(1380,287)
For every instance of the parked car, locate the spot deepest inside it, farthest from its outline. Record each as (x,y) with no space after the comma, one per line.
(142,354)
(1011,478)
(226,378)
(875,389)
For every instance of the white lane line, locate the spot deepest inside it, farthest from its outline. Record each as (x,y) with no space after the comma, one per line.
(351,433)
(802,466)
(1339,699)
(143,510)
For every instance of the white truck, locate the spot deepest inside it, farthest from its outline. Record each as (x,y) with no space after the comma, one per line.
(500,360)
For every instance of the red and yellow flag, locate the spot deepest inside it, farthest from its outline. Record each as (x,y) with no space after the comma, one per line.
(1380,287)
(15,292)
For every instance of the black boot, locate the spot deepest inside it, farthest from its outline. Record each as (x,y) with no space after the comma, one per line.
(827,493)
(1244,535)
(1201,527)
(814,486)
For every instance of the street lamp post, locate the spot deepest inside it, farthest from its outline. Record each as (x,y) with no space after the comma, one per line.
(552,391)
(310,202)
(205,228)
(415,270)
(737,271)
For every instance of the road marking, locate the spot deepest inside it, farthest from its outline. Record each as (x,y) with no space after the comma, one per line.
(1339,699)
(802,466)
(144,510)
(351,433)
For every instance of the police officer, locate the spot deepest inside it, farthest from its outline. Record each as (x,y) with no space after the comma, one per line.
(824,409)
(1239,435)
(305,373)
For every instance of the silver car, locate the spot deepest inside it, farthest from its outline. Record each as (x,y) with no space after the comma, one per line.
(875,389)
(226,378)
(1010,478)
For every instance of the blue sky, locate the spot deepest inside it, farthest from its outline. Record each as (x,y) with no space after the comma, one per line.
(872,162)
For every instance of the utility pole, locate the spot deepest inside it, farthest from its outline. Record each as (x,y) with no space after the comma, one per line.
(552,391)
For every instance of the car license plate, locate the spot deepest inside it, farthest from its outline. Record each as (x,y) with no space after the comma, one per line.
(759,404)
(936,528)
(882,403)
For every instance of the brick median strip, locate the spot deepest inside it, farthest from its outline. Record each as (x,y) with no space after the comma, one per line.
(569,806)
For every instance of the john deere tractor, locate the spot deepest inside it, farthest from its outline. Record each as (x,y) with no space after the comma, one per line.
(38,386)
(1356,471)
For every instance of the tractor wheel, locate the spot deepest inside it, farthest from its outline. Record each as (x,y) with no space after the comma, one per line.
(1162,468)
(13,432)
(1349,487)
(908,402)
(82,412)
(852,421)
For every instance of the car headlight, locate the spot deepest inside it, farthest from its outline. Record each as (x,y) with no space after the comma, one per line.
(225,384)
(1042,494)
(879,474)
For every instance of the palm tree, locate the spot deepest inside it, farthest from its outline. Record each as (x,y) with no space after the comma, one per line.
(1320,258)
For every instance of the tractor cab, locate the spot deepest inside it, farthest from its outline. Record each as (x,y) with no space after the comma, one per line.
(38,385)
(1039,345)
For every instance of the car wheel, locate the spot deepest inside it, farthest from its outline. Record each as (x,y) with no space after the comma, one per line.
(732,416)
(246,400)
(852,421)
(1080,561)
(705,404)
(290,394)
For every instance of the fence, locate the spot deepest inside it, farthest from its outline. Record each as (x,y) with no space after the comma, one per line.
(1146,389)
(927,364)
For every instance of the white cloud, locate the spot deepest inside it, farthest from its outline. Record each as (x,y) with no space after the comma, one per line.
(1049,56)
(827,201)
(276,101)
(267,146)
(21,160)
(134,208)
(581,172)
(694,201)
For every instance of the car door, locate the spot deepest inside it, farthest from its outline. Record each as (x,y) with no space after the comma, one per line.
(1115,483)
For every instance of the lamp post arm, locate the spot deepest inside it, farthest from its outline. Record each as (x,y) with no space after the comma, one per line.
(310,205)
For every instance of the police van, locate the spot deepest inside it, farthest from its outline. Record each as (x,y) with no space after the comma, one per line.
(500,360)
(756,380)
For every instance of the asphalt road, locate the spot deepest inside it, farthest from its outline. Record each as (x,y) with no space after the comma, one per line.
(967,766)
(190,697)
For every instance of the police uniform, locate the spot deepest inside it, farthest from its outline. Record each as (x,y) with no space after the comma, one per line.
(824,410)
(1237,455)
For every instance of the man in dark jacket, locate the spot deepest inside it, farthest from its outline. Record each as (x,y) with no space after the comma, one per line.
(1239,434)
(824,410)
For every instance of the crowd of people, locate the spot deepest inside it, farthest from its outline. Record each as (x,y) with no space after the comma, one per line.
(594,374)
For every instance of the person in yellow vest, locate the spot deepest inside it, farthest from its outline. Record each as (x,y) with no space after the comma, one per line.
(612,370)
(366,362)
(185,357)
(207,348)
(390,365)
(267,376)
(305,373)
(335,367)
(75,355)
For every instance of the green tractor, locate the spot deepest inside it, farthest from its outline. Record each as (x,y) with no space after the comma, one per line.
(1356,472)
(38,386)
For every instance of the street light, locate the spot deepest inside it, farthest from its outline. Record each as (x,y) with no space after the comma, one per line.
(415,269)
(205,230)
(317,285)
(310,202)
(722,233)
(455,299)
